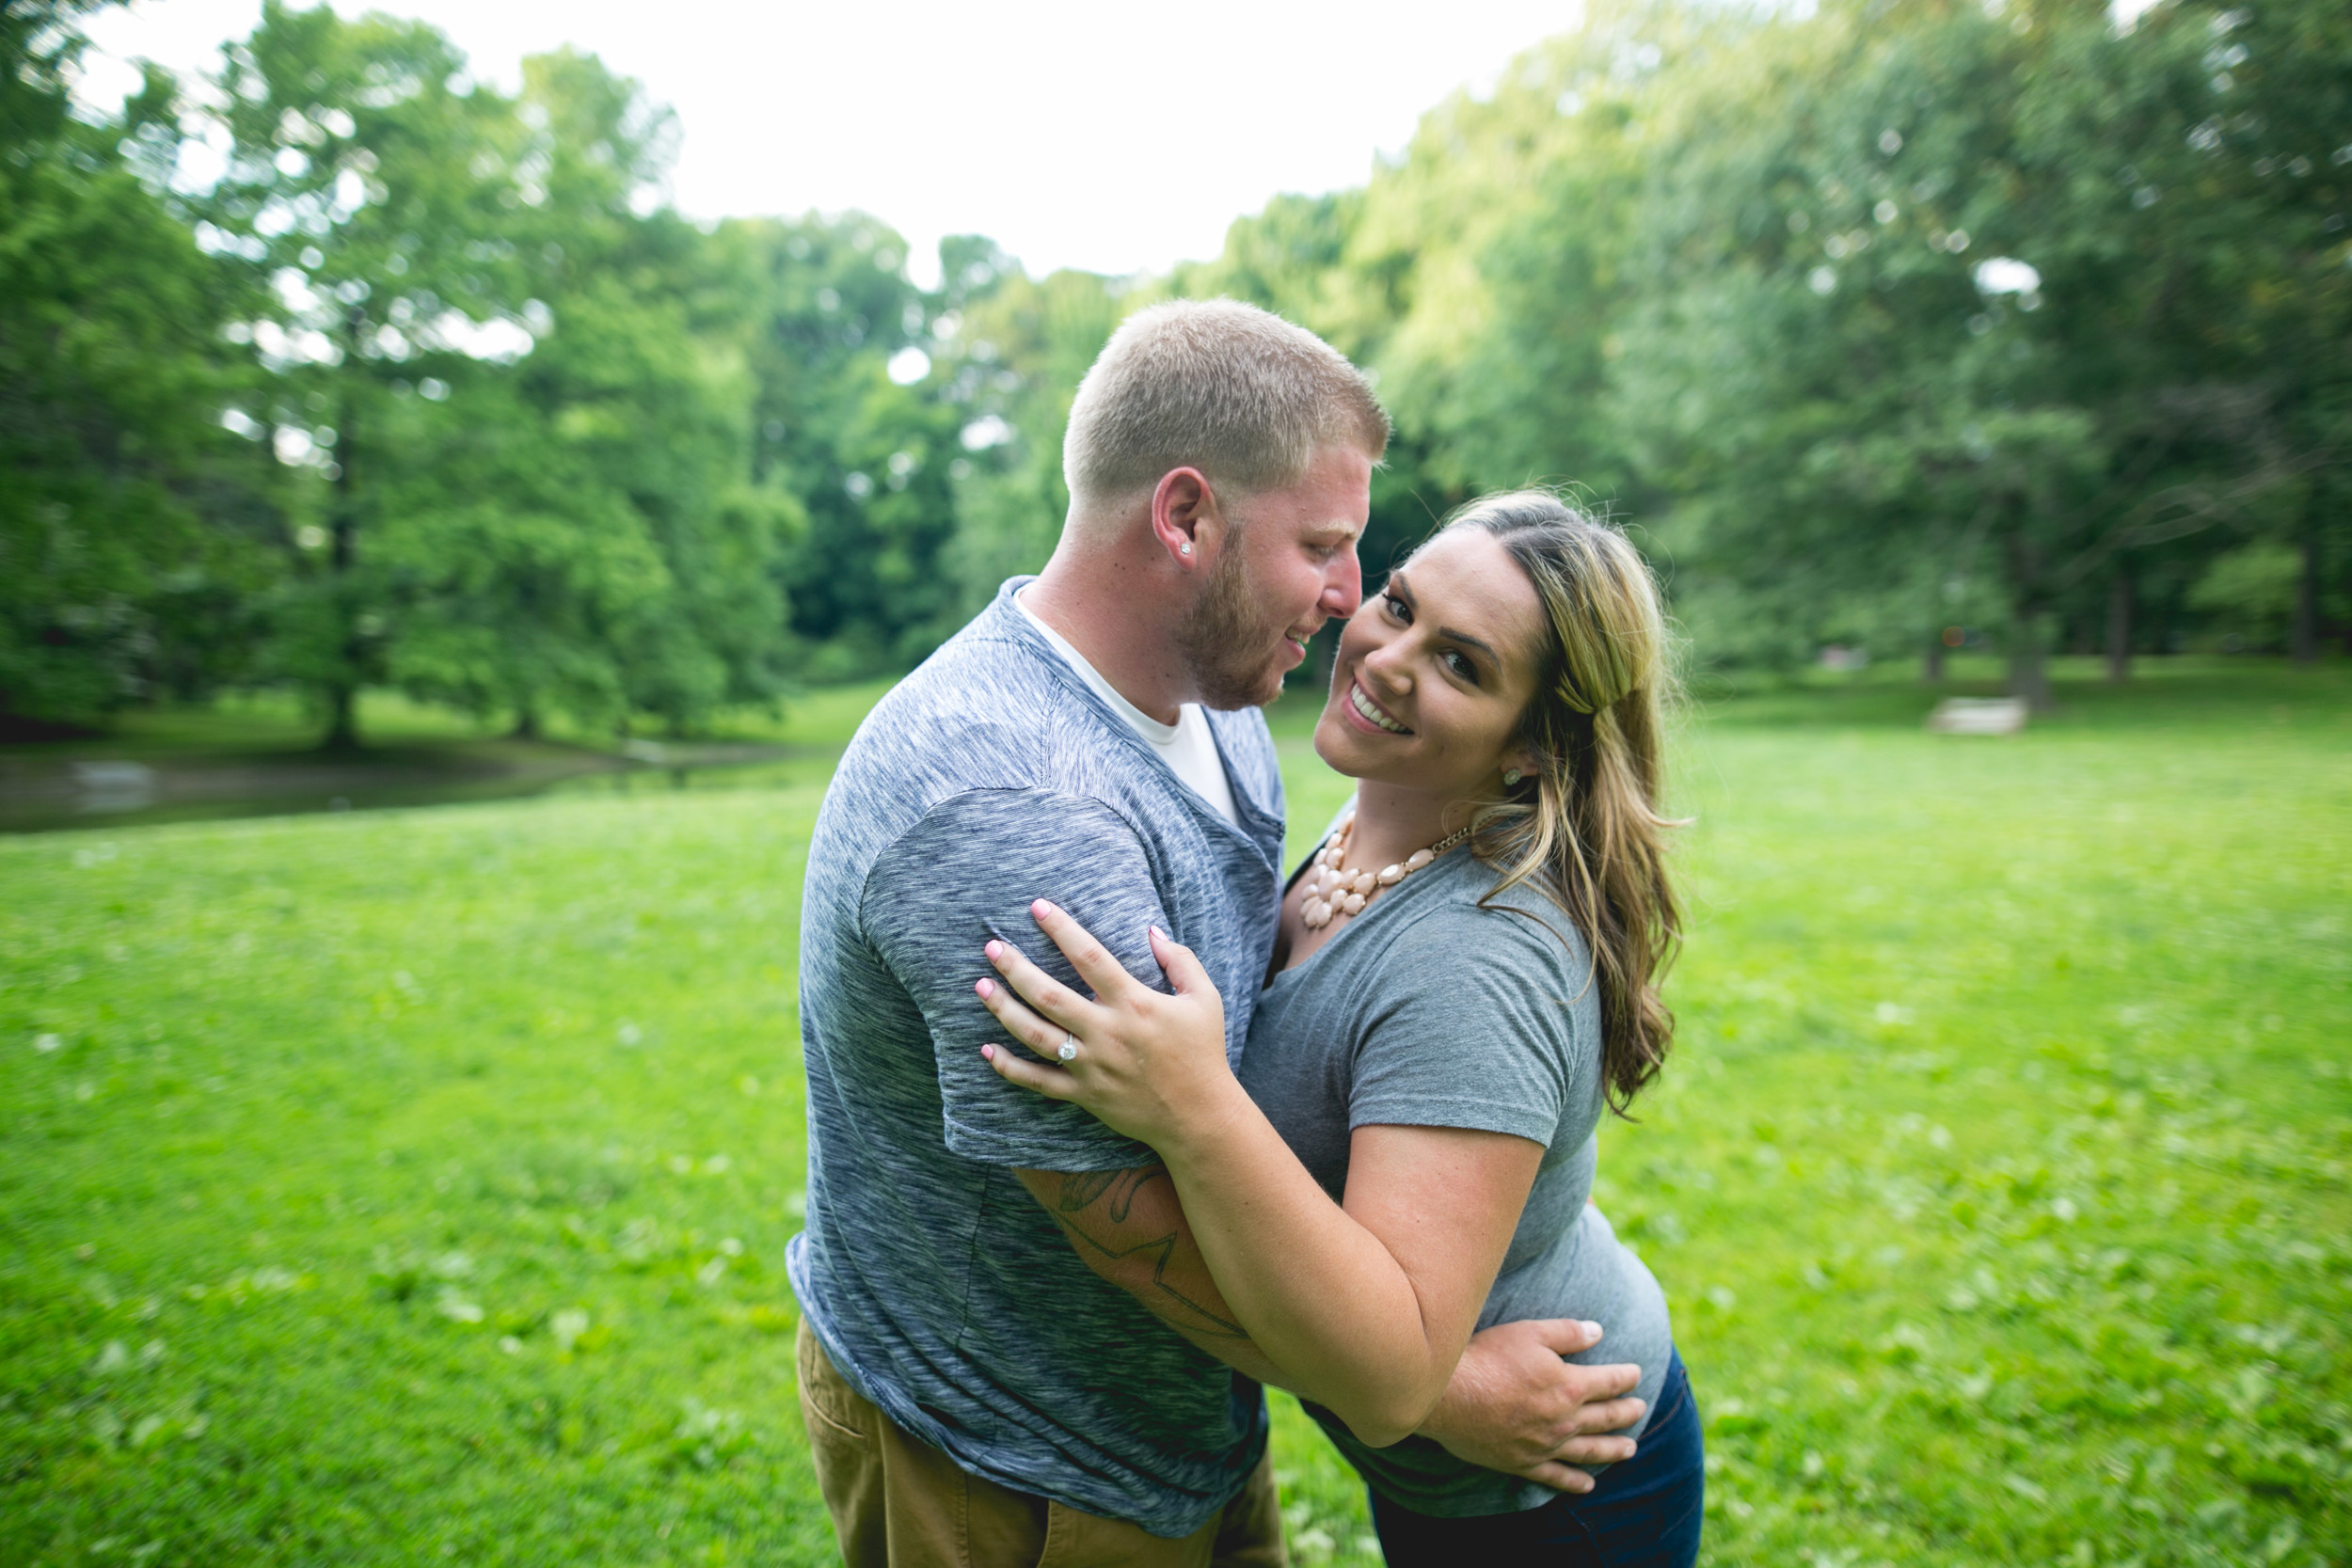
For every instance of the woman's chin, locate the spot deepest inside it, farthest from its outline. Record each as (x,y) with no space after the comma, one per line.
(1335,744)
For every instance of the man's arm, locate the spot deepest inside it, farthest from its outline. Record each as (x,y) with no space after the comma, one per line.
(1517,1407)
(1128,1226)
(1514,1404)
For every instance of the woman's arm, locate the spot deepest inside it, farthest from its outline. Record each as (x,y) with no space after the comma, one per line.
(1513,1405)
(1365,1307)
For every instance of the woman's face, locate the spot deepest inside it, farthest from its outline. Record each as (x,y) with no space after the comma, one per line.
(1434,672)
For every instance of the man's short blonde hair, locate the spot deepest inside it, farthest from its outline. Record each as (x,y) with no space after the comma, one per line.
(1219,385)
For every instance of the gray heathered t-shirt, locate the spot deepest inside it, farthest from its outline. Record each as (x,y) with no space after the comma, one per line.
(1429,1011)
(990,777)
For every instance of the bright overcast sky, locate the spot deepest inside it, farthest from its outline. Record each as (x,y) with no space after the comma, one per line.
(1117,138)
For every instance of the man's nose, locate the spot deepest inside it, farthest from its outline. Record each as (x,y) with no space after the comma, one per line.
(1343,585)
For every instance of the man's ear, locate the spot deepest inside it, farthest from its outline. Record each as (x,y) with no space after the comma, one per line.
(1186,518)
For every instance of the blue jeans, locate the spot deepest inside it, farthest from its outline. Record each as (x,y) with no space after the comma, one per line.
(1643,1513)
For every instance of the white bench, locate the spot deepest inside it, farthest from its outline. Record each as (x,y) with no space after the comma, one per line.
(1978,716)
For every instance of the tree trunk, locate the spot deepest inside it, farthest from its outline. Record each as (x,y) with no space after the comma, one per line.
(526,725)
(2120,626)
(343,693)
(342,726)
(1932,663)
(2029,662)
(2304,640)
(2029,665)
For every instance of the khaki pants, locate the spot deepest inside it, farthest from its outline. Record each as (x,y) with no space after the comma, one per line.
(900,1503)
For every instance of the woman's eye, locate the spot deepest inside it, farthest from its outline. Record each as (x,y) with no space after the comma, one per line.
(1461,666)
(1397,607)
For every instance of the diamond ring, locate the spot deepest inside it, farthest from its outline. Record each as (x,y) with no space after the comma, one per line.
(1068,1051)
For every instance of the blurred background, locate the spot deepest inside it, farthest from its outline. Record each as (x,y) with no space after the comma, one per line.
(340,363)
(604,404)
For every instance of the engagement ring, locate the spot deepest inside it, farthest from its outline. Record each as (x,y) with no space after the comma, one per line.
(1069,1049)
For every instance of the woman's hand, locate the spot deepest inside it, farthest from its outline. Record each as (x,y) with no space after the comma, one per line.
(1148,1065)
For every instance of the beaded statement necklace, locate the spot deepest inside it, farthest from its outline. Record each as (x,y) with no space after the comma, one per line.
(1332,890)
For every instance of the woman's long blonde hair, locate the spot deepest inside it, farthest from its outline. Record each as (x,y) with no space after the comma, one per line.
(1585,826)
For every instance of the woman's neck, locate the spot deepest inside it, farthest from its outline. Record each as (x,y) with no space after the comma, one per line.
(1391,822)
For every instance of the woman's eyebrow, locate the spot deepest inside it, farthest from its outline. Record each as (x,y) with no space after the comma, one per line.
(1396,582)
(1468,640)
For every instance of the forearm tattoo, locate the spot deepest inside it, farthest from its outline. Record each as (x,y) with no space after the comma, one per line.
(1092,1206)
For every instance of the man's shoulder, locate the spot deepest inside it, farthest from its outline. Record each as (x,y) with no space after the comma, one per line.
(1248,745)
(1030,824)
(979,714)
(978,683)
(1242,727)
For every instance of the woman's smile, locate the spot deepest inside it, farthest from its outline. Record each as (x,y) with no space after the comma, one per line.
(1432,674)
(1362,706)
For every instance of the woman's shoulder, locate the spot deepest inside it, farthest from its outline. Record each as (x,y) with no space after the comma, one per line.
(1469,916)
(1479,1010)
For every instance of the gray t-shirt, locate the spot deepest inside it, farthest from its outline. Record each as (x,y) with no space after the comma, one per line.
(1427,1011)
(944,1292)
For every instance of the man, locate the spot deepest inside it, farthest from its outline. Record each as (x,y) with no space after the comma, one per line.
(1009,1343)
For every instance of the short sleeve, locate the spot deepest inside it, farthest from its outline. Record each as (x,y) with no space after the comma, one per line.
(967,871)
(1495,1042)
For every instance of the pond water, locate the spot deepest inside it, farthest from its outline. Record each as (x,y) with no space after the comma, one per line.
(105,794)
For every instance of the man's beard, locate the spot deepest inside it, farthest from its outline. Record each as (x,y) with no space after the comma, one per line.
(1227,642)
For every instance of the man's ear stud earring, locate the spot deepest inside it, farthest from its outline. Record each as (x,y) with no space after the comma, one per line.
(1184,549)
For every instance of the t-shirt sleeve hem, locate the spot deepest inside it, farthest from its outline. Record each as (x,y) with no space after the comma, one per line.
(1473,1115)
(967,1142)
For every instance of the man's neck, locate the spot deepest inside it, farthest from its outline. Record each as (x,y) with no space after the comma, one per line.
(1105,609)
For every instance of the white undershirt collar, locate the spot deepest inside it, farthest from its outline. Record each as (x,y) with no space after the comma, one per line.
(1188,746)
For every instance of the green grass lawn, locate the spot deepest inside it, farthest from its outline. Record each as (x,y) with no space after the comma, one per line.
(413,1186)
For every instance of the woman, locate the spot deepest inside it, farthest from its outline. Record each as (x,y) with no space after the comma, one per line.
(1464,980)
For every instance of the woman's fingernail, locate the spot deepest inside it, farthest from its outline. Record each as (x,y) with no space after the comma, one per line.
(994,949)
(1592,1328)
(1041,908)
(987,1053)
(986,988)
(1162,935)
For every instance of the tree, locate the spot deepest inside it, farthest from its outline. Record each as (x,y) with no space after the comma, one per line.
(1011,352)
(369,183)
(518,386)
(848,422)
(588,537)
(130,516)
(2062,400)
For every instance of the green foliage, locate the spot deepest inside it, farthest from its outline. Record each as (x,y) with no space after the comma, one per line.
(533,465)
(1878,320)
(827,305)
(1010,368)
(1729,271)
(1998,1180)
(588,536)
(129,517)
(2252,590)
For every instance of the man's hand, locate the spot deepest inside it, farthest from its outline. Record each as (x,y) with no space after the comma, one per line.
(1515,1406)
